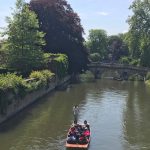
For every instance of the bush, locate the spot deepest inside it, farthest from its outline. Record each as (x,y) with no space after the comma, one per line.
(42,78)
(58,63)
(135,62)
(95,57)
(148,76)
(125,60)
(87,77)
(10,82)
(135,77)
(147,82)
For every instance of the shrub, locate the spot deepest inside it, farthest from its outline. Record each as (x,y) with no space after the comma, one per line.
(87,77)
(42,78)
(95,57)
(136,77)
(58,63)
(135,62)
(147,82)
(10,82)
(19,87)
(148,76)
(125,60)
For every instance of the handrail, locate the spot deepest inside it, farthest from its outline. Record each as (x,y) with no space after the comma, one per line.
(116,65)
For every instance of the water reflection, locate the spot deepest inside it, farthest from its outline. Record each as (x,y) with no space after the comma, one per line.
(136,118)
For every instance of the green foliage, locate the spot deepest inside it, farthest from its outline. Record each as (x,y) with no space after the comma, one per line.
(125,60)
(11,82)
(20,87)
(95,57)
(42,78)
(139,38)
(129,61)
(145,56)
(140,19)
(87,77)
(147,82)
(24,40)
(97,42)
(135,62)
(58,63)
(135,77)
(3,54)
(148,76)
(132,40)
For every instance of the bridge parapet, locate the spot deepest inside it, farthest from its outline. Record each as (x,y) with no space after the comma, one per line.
(99,68)
(118,66)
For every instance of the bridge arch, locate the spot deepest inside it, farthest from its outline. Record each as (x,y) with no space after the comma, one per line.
(124,71)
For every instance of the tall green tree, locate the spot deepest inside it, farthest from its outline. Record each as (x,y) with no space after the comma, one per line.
(132,41)
(97,42)
(140,20)
(140,28)
(3,53)
(24,39)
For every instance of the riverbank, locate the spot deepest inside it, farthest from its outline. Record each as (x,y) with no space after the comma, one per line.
(19,103)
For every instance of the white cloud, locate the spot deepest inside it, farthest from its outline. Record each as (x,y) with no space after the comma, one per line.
(124,31)
(102,13)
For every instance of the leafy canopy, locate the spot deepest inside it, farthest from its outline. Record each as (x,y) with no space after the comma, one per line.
(24,39)
(64,33)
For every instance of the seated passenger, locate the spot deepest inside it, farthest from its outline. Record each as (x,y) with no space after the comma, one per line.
(83,140)
(72,130)
(72,139)
(86,133)
(72,136)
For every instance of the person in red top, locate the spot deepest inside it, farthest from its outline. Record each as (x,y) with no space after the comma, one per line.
(86,133)
(83,139)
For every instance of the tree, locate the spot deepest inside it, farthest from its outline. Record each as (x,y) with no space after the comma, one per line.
(3,53)
(63,31)
(132,41)
(140,27)
(97,42)
(140,21)
(24,39)
(116,47)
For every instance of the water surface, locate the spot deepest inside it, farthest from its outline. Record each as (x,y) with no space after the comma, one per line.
(118,112)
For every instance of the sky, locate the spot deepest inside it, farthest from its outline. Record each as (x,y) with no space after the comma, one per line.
(110,15)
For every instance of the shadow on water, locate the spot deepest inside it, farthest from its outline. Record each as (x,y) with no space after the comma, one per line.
(13,122)
(77,148)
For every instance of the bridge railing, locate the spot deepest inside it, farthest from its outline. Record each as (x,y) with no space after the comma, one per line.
(117,65)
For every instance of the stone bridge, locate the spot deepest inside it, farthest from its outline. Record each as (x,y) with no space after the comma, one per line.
(124,71)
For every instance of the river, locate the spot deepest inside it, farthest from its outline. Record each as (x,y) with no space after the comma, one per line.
(118,112)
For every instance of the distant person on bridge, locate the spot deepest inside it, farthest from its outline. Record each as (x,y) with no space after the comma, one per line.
(75,113)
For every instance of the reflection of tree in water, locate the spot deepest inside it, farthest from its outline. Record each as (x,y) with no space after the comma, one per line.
(136,116)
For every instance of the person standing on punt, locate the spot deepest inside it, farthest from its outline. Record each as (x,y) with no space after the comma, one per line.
(75,113)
